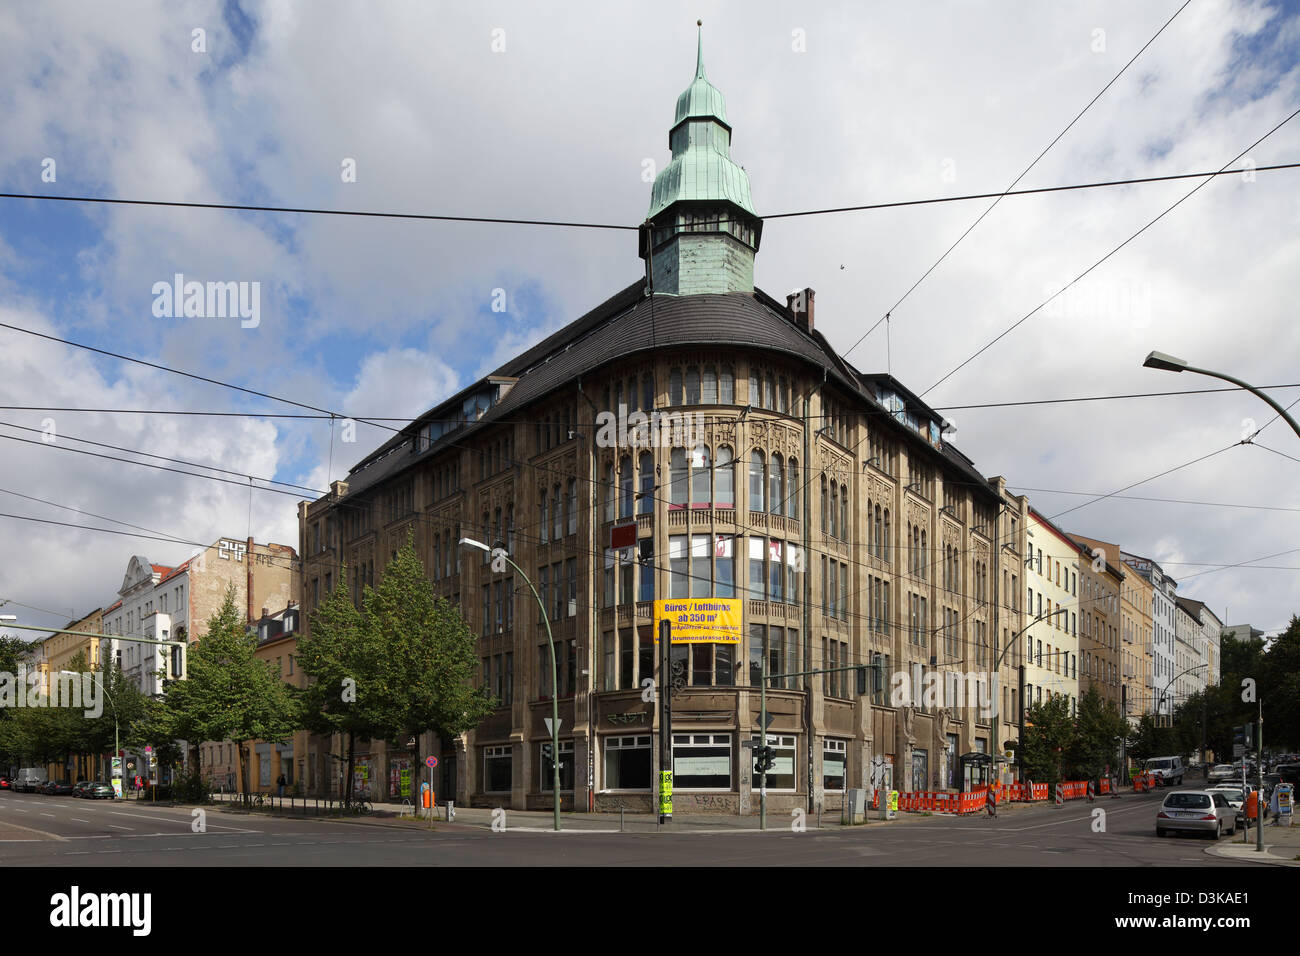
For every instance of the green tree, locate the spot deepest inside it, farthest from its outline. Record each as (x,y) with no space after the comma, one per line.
(1049,733)
(402,664)
(229,694)
(1098,731)
(341,658)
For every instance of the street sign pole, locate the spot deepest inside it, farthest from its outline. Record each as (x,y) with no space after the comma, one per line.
(665,724)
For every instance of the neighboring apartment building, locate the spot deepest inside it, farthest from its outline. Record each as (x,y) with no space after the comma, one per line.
(1189,667)
(1211,634)
(1160,611)
(1135,631)
(165,603)
(821,503)
(1242,632)
(175,603)
(1100,623)
(1052,590)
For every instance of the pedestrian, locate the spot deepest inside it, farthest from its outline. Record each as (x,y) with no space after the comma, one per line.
(280,784)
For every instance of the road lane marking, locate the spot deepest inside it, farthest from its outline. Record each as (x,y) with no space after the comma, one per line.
(78,820)
(116,827)
(47,814)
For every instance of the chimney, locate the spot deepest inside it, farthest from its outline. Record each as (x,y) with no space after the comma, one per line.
(801,304)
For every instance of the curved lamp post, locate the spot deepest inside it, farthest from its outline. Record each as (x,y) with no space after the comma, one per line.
(1169,363)
(555,684)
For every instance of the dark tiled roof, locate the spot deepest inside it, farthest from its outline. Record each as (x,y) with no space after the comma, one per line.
(629,323)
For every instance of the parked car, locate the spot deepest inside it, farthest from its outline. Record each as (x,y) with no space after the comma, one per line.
(1289,772)
(1236,797)
(79,787)
(1167,770)
(4,783)
(29,779)
(59,788)
(98,790)
(1196,811)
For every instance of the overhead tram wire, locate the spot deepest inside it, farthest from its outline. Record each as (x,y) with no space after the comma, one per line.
(175,461)
(1023,174)
(982,349)
(1085,398)
(860,207)
(89,514)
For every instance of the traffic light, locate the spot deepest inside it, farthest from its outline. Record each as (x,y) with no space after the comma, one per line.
(862,681)
(764,759)
(546,752)
(1242,735)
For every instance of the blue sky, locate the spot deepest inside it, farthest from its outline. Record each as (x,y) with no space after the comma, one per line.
(385,317)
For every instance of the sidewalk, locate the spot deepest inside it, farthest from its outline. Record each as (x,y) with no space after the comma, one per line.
(400,816)
(1281,847)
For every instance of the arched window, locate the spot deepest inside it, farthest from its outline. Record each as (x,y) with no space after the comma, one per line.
(835,510)
(724,482)
(573,506)
(924,559)
(775,481)
(824,505)
(625,487)
(646,466)
(678,478)
(693,385)
(792,488)
(709,386)
(557,513)
(701,468)
(844,512)
(756,481)
(885,544)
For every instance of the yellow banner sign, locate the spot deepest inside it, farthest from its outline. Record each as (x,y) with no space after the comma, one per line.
(700,620)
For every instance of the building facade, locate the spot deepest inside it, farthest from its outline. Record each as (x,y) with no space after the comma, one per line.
(705,444)
(1100,623)
(1052,590)
(1160,595)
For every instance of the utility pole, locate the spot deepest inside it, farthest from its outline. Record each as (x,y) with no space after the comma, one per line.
(762,736)
(1259,785)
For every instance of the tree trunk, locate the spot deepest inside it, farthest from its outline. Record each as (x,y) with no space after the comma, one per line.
(347,780)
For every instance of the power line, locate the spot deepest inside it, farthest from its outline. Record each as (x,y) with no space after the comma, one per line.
(89,514)
(1112,252)
(145,464)
(1022,175)
(1172,501)
(864,207)
(177,461)
(241,207)
(1091,398)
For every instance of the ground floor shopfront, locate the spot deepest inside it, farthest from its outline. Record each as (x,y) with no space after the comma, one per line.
(610,753)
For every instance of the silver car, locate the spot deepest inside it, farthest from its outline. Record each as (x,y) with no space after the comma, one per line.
(1196,811)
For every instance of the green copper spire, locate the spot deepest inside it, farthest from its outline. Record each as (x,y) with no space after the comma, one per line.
(701,167)
(703,231)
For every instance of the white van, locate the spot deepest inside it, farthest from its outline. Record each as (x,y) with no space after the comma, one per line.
(1170,770)
(29,778)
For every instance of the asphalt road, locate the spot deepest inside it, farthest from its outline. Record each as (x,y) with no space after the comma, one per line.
(60,831)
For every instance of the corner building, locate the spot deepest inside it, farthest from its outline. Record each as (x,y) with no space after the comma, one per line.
(739,457)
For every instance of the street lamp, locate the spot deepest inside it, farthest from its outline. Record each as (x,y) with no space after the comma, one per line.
(1169,363)
(555,683)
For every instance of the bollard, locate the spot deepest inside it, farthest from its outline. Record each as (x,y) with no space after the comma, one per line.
(991,803)
(1060,797)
